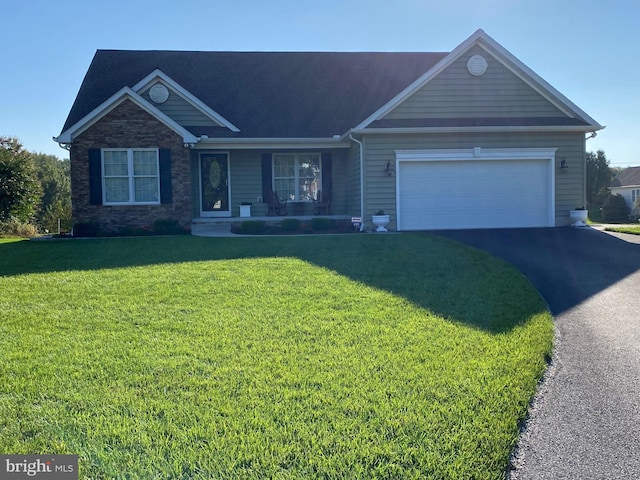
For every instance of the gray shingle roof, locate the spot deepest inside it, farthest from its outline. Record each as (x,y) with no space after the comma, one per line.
(265,94)
(628,177)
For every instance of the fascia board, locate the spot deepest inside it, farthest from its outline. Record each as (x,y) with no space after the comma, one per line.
(182,92)
(480,38)
(484,129)
(110,104)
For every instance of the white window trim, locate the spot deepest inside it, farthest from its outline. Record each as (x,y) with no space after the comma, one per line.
(296,156)
(130,176)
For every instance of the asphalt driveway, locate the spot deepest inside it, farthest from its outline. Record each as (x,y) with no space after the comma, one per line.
(585,421)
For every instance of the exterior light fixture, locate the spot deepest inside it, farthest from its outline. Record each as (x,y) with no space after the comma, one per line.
(388,169)
(563,164)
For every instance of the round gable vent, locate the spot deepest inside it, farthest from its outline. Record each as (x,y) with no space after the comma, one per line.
(158,93)
(477,65)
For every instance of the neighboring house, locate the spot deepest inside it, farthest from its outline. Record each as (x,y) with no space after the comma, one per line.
(467,139)
(627,184)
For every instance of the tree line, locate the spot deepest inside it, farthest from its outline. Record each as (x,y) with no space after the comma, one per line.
(601,204)
(35,191)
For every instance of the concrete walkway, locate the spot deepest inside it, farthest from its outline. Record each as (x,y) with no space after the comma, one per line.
(585,421)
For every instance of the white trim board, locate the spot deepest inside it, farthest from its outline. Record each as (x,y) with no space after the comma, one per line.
(110,104)
(477,153)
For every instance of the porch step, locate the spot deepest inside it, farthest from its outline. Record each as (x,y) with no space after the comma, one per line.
(211,229)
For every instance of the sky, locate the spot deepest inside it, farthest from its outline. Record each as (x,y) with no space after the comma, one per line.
(588,50)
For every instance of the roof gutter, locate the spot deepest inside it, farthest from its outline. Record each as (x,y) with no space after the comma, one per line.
(64,146)
(480,129)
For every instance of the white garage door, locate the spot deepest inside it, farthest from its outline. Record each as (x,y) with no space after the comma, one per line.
(474,194)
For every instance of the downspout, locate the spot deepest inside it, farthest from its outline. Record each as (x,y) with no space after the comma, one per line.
(361,145)
(584,181)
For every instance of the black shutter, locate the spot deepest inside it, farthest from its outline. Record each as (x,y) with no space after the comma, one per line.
(95,176)
(267,172)
(327,173)
(164,157)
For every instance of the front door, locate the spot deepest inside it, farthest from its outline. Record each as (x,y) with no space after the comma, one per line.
(214,185)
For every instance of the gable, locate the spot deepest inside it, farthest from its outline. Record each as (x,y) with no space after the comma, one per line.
(123,95)
(549,110)
(456,93)
(179,103)
(179,109)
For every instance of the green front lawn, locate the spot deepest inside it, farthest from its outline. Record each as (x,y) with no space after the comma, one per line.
(631,230)
(360,356)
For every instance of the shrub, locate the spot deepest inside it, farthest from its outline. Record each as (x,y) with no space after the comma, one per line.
(252,227)
(86,229)
(320,223)
(167,226)
(15,228)
(615,209)
(291,225)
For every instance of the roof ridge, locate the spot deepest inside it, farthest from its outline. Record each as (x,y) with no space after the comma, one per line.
(272,52)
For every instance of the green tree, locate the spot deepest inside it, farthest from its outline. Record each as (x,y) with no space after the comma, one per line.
(54,176)
(599,176)
(615,209)
(20,190)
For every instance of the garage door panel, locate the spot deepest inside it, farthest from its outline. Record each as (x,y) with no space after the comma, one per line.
(474,194)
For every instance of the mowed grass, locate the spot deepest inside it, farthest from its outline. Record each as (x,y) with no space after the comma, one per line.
(362,356)
(631,230)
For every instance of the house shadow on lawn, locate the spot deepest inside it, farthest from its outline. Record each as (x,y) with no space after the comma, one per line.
(446,278)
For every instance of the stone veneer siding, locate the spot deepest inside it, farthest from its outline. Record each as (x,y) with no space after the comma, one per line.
(128,126)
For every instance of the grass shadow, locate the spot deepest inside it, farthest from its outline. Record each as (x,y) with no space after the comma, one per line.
(446,278)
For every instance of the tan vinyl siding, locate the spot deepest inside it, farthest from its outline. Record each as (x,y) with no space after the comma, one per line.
(181,111)
(569,183)
(455,93)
